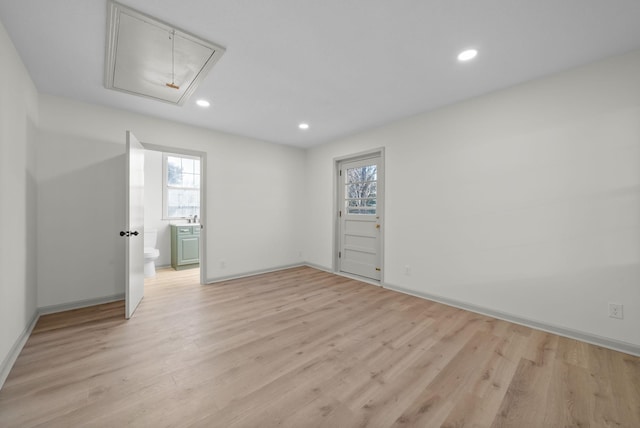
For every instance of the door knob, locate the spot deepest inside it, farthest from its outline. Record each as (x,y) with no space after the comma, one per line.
(134,233)
(377,226)
(123,233)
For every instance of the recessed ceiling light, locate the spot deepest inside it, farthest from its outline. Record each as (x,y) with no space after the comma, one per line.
(203,103)
(303,126)
(467,55)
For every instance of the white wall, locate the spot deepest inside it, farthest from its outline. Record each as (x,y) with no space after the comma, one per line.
(18,134)
(524,201)
(81,211)
(153,205)
(254,220)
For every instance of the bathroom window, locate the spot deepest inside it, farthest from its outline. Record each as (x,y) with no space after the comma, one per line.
(181,186)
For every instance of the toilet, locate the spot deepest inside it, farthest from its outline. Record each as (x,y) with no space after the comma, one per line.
(151,253)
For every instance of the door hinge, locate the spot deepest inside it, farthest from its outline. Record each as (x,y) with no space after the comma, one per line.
(339,254)
(340,213)
(378,269)
(340,173)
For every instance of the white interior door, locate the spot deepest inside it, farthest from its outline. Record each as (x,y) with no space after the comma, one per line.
(134,232)
(360,188)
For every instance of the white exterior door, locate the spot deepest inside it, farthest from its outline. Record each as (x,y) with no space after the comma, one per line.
(134,232)
(360,187)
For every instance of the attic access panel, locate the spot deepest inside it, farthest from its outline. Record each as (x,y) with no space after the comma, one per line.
(142,58)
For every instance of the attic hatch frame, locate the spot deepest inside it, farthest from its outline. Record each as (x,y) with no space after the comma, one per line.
(114,11)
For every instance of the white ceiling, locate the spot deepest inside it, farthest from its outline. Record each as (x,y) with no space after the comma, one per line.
(342,66)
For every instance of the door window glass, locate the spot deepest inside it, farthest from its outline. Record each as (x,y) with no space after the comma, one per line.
(361,188)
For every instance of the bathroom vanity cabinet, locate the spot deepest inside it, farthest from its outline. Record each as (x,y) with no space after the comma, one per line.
(185,246)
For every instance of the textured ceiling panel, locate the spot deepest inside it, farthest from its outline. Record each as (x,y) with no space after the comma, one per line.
(149,58)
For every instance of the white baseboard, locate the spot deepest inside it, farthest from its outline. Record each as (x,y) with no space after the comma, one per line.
(594,339)
(52,309)
(319,267)
(12,356)
(628,348)
(10,359)
(253,273)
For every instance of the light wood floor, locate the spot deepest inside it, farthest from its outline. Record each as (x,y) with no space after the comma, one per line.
(304,348)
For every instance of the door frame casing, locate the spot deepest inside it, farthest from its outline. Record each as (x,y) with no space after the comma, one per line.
(203,198)
(337,205)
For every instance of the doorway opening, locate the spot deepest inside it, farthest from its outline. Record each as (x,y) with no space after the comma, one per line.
(359,224)
(175,209)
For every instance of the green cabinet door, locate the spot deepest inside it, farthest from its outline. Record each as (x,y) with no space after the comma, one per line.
(189,250)
(185,246)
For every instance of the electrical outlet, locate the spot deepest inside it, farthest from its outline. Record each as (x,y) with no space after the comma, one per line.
(615,310)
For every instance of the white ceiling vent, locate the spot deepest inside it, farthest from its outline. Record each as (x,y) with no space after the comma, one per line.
(153,59)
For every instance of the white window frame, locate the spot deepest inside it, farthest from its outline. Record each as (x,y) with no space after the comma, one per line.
(165,184)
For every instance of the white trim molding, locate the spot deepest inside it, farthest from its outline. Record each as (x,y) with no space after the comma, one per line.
(616,345)
(12,356)
(254,273)
(46,310)
(605,342)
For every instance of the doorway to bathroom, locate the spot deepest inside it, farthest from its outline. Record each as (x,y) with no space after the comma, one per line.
(174,210)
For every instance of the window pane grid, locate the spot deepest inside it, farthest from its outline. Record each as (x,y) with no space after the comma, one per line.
(361,181)
(365,211)
(360,190)
(182,186)
(365,173)
(195,186)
